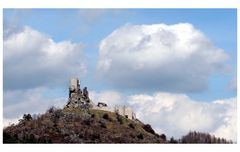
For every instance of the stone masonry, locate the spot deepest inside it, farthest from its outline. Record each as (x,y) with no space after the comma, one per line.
(80,99)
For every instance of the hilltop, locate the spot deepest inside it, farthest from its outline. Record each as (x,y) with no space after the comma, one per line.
(75,125)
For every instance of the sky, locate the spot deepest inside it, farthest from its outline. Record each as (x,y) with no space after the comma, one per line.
(177,68)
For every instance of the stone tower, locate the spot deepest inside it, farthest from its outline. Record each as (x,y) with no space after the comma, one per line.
(77,97)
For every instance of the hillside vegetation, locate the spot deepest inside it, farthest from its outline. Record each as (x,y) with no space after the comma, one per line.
(75,125)
(80,126)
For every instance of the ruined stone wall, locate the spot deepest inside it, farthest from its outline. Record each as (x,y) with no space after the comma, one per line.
(129,112)
(80,98)
(125,111)
(121,110)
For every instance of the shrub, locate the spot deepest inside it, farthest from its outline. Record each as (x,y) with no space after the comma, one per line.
(106,116)
(163,136)
(120,119)
(148,128)
(131,125)
(7,138)
(30,139)
(103,124)
(56,115)
(140,136)
(27,117)
(95,136)
(51,109)
(173,141)
(87,122)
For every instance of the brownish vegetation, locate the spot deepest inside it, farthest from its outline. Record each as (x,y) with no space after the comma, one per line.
(79,126)
(75,125)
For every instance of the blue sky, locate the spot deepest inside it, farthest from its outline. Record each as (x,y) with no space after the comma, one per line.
(172,66)
(219,25)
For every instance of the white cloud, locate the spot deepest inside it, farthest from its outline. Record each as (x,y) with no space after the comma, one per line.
(160,57)
(11,23)
(177,114)
(33,59)
(111,98)
(229,127)
(18,102)
(8,122)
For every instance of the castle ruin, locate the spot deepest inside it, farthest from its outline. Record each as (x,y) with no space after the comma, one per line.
(80,99)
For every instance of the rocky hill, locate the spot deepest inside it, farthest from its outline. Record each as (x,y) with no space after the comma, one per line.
(76,125)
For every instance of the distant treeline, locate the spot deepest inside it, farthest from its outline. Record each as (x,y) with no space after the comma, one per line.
(199,137)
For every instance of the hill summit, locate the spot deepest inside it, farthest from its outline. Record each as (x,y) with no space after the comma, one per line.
(74,125)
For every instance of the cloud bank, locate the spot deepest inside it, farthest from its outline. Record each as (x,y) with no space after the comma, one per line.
(18,102)
(175,58)
(32,59)
(177,114)
(34,65)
